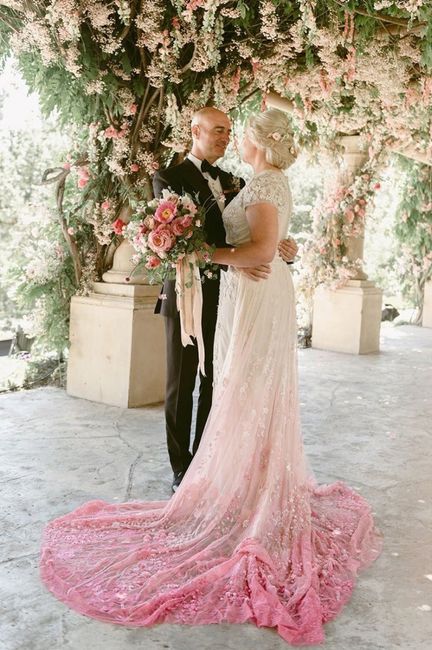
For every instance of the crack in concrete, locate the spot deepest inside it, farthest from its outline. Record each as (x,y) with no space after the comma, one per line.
(15,478)
(20,557)
(131,476)
(119,435)
(63,630)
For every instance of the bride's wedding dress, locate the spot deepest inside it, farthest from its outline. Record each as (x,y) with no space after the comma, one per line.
(248,536)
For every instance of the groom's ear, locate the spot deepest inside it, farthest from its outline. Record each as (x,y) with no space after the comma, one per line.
(195,130)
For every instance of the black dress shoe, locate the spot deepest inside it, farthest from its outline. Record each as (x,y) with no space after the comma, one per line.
(177,479)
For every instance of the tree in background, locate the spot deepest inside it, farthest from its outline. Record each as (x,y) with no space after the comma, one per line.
(414,231)
(29,236)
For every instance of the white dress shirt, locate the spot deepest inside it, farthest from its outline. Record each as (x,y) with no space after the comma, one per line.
(214,183)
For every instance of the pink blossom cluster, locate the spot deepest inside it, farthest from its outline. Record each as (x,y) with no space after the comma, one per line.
(337,218)
(83,176)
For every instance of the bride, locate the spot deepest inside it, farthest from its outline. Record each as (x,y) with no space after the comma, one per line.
(249,535)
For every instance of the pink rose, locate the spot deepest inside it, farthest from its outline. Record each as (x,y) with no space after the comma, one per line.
(160,240)
(118,226)
(153,262)
(105,205)
(177,226)
(349,216)
(155,165)
(82,182)
(377,186)
(165,212)
(187,221)
(71,231)
(133,109)
(134,167)
(66,165)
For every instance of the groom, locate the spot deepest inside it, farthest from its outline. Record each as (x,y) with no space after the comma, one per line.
(211,188)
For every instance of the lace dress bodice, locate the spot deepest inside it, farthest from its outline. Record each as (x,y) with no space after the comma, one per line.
(266,187)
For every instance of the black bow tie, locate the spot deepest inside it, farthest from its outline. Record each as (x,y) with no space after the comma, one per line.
(210,169)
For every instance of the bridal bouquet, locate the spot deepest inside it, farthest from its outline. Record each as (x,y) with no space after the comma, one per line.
(166,232)
(168,237)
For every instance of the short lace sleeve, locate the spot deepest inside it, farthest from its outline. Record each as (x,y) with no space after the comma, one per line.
(266,188)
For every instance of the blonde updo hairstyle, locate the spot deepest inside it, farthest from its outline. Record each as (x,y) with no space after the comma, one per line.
(272,132)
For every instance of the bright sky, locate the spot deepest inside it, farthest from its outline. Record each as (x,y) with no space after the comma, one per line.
(20,109)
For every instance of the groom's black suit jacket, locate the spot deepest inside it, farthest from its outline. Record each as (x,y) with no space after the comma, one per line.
(187,178)
(182,362)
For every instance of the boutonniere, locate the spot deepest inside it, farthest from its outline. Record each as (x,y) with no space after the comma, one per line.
(235,186)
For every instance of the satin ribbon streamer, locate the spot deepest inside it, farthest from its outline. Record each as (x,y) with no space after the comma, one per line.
(189,304)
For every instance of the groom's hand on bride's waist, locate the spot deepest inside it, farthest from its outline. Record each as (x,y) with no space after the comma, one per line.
(288,249)
(256,273)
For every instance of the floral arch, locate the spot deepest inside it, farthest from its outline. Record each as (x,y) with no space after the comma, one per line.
(125,78)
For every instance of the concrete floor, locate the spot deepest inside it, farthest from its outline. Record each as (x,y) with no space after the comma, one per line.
(366,420)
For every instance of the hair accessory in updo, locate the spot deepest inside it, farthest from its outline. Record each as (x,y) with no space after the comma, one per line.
(272,131)
(282,137)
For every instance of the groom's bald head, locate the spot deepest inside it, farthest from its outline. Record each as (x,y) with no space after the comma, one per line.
(209,113)
(211,129)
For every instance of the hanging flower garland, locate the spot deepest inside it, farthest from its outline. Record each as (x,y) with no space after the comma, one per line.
(337,218)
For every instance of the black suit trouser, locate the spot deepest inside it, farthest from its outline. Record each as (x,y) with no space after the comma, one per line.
(182,370)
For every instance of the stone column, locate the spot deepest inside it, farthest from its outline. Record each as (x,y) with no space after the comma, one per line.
(348,319)
(427,305)
(117,353)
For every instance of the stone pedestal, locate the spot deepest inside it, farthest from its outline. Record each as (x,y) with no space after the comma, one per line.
(123,269)
(117,353)
(347,319)
(427,305)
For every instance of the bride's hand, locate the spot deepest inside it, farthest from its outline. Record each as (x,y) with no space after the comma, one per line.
(256,273)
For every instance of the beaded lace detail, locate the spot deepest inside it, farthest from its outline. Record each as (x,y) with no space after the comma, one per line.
(266,187)
(248,536)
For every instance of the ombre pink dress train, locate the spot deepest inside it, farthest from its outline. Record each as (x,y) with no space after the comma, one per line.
(248,536)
